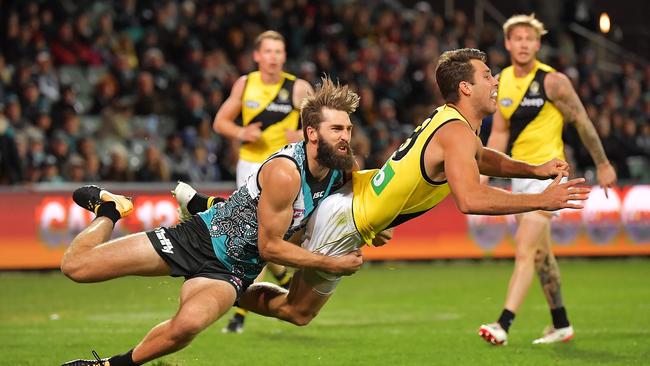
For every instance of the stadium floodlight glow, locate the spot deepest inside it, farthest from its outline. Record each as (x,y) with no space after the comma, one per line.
(604,22)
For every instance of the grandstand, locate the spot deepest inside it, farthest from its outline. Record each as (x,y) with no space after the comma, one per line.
(136,74)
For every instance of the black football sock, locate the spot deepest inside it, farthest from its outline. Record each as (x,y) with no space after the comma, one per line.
(124,359)
(198,203)
(560,319)
(506,318)
(107,209)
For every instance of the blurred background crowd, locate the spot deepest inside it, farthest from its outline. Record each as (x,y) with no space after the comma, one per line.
(127,90)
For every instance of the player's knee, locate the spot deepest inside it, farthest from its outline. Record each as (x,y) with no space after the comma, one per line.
(540,255)
(301,317)
(525,254)
(185,328)
(73,268)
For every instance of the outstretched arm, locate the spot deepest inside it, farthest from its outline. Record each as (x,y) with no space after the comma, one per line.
(560,91)
(459,148)
(498,164)
(280,182)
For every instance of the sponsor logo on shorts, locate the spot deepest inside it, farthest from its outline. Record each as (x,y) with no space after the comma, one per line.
(237,282)
(167,246)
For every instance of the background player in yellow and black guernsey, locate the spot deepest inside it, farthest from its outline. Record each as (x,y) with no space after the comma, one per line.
(534,102)
(262,115)
(442,156)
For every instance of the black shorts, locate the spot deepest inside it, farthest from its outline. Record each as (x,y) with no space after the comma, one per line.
(187,249)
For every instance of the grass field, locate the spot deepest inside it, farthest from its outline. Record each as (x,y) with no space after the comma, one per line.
(387,314)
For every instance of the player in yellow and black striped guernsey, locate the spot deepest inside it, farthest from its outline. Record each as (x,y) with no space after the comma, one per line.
(262,114)
(534,102)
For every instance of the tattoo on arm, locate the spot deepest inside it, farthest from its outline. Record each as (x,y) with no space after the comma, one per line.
(549,276)
(573,111)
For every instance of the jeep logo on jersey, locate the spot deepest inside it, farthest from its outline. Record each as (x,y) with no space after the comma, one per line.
(318,195)
(381,178)
(532,102)
(506,102)
(282,108)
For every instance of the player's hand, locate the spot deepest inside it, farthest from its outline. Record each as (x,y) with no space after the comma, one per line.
(347,264)
(551,169)
(563,195)
(251,132)
(383,237)
(606,176)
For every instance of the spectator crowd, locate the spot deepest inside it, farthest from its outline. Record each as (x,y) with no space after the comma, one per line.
(127,90)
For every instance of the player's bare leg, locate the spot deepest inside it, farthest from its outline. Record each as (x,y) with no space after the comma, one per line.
(202,302)
(528,239)
(91,258)
(299,305)
(549,276)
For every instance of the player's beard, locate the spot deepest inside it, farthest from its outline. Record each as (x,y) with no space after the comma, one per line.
(330,156)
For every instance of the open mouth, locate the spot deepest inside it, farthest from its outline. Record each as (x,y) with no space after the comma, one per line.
(493,95)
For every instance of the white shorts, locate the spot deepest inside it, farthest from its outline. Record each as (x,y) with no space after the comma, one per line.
(244,170)
(331,231)
(527,185)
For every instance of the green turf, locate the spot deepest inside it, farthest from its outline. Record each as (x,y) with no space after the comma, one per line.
(388,314)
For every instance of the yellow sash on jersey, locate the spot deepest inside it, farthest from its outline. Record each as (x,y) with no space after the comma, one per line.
(535,124)
(271,104)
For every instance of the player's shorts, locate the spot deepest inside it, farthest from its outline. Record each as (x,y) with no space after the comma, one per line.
(244,170)
(526,185)
(331,231)
(187,249)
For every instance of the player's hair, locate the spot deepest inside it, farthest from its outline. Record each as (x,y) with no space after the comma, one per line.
(327,95)
(269,34)
(453,67)
(523,19)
